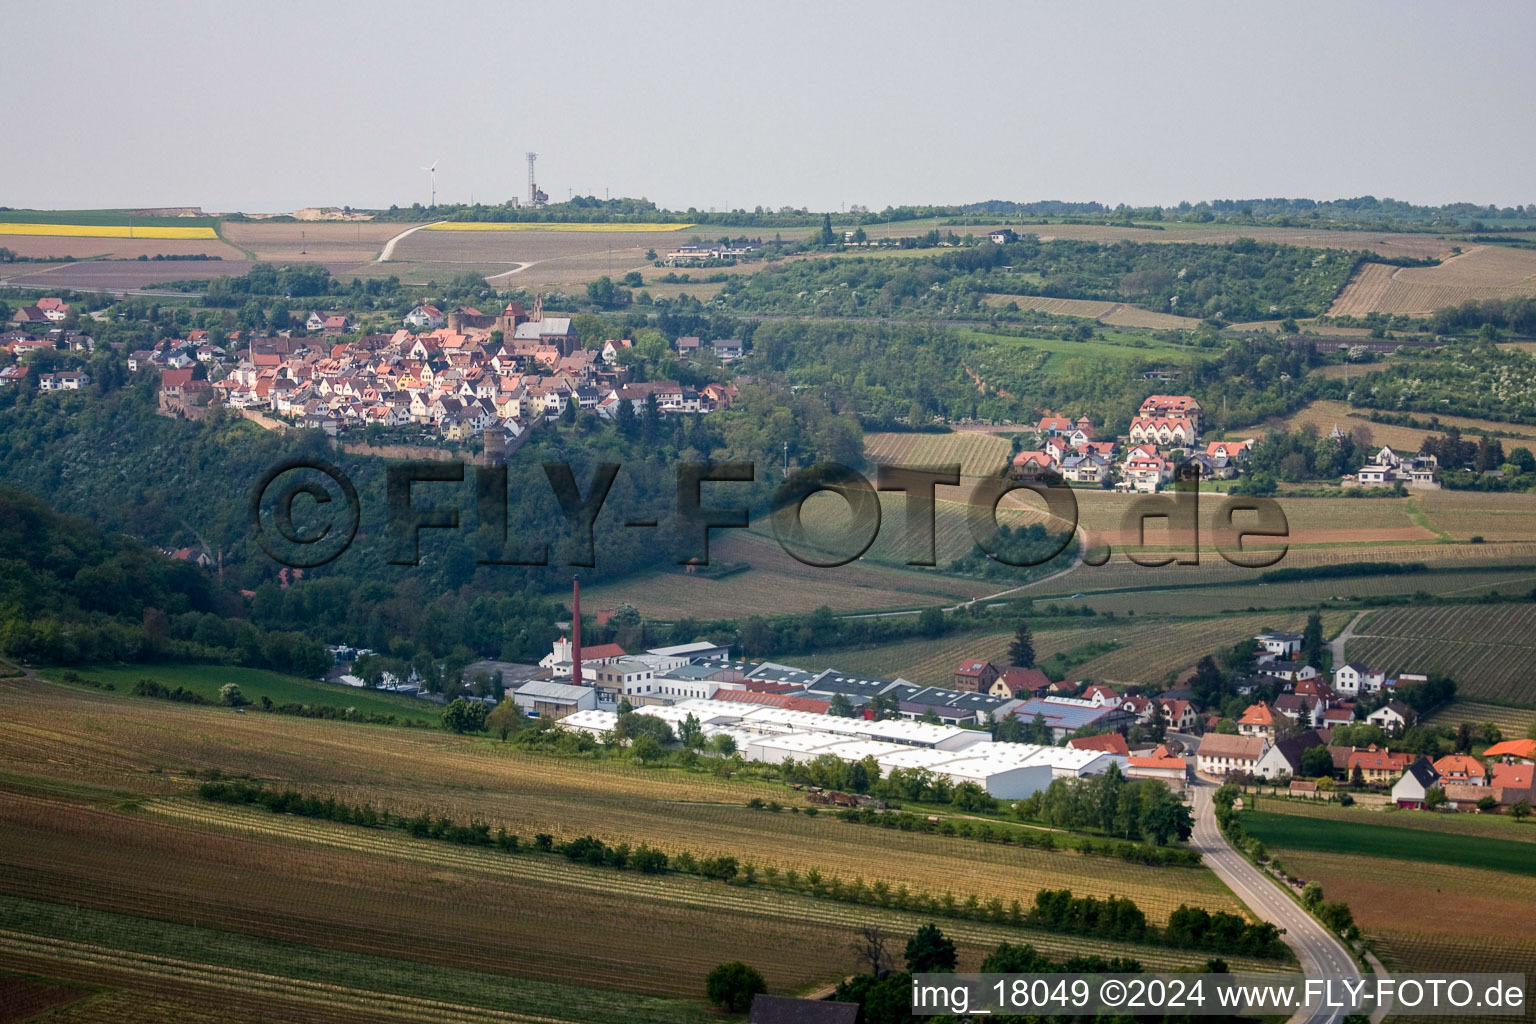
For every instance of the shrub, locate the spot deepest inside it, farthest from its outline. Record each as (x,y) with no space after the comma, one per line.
(731,986)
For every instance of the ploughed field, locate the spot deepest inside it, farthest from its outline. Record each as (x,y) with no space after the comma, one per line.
(113,872)
(1435,891)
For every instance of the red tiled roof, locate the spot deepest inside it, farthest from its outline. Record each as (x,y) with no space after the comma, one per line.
(1159,758)
(1111,742)
(1513,748)
(776,700)
(1512,776)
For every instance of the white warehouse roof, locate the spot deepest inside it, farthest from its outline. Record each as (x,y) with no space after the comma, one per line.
(596,722)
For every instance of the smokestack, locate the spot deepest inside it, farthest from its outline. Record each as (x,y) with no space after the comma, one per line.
(575,631)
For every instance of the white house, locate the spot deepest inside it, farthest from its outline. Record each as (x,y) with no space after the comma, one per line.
(429,317)
(1354,678)
(1410,790)
(1393,716)
(1280,643)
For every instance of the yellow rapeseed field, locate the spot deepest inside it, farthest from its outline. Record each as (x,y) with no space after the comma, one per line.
(105,231)
(526,225)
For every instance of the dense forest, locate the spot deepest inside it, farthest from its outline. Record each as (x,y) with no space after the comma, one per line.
(1476,379)
(176,483)
(1243,280)
(70,592)
(888,373)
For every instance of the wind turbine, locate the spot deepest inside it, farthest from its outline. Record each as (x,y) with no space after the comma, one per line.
(433,171)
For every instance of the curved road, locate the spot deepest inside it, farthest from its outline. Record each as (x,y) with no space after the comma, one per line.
(1318,952)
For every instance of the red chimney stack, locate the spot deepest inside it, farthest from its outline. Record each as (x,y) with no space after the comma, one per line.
(575,631)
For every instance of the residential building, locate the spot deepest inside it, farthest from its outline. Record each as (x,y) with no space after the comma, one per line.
(1160,764)
(1461,770)
(1393,716)
(1354,678)
(1019,682)
(975,676)
(1377,767)
(1284,758)
(1417,780)
(1221,754)
(1257,720)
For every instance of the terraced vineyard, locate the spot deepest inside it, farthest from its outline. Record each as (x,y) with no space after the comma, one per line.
(978,454)
(1119,572)
(1196,600)
(1512,722)
(1146,649)
(1487,649)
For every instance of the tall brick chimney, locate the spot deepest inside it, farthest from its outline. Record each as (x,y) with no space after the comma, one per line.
(575,631)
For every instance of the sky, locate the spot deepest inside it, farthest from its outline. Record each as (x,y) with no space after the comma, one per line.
(272,106)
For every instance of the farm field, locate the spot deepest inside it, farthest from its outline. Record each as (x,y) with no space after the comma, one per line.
(1481,272)
(1147,649)
(1494,517)
(1513,722)
(1380,839)
(256,683)
(600,227)
(504,786)
(320,241)
(978,454)
(78,247)
(1325,414)
(1119,572)
(1312,521)
(540,255)
(1423,916)
(121,234)
(1198,600)
(1487,649)
(932,662)
(1384,243)
(777,584)
(1489,826)
(1117,314)
(114,872)
(830,528)
(148,231)
(115,274)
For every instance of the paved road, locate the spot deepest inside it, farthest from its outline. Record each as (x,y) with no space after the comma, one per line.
(389,246)
(1318,952)
(1345,636)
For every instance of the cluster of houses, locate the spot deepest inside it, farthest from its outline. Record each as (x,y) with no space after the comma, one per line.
(19,344)
(1164,436)
(49,310)
(472,375)
(1388,468)
(695,254)
(1272,739)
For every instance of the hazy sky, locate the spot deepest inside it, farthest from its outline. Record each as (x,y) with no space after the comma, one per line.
(270,106)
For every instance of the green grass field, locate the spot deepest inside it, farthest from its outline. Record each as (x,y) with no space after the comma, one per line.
(1108,344)
(256,683)
(103,218)
(1296,832)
